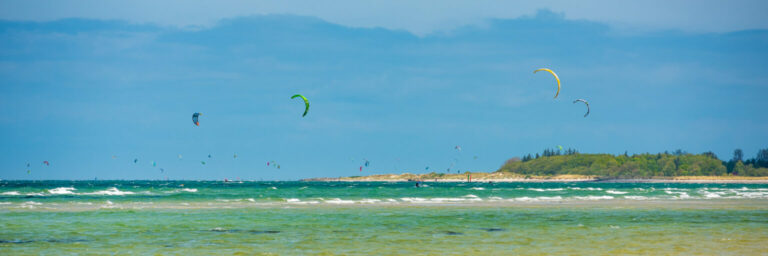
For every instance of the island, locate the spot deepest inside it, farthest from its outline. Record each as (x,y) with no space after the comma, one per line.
(571,166)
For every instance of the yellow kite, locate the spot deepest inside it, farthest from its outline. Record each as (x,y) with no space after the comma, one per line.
(553,74)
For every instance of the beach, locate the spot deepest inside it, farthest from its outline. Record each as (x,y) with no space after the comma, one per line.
(389,218)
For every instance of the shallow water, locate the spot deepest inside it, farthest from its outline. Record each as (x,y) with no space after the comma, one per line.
(289,218)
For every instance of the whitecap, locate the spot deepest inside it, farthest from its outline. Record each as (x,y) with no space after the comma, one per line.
(273,188)
(611,191)
(413,199)
(339,201)
(636,197)
(113,191)
(369,201)
(535,199)
(11,193)
(62,191)
(593,197)
(592,189)
(545,189)
(446,199)
(191,190)
(477,188)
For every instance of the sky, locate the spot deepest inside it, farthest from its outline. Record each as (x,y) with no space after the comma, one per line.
(92,85)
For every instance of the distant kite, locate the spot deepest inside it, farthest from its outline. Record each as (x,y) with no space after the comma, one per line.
(195,117)
(306,103)
(586,103)
(553,74)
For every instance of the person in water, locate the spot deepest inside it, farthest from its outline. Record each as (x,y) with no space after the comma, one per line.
(417,184)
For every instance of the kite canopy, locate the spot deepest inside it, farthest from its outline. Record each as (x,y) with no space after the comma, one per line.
(553,74)
(195,117)
(46,163)
(560,147)
(586,103)
(306,103)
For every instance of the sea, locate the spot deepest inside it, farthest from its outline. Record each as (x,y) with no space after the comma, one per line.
(381,218)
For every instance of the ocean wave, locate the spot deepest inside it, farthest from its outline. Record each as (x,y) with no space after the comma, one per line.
(477,188)
(753,194)
(546,189)
(593,189)
(636,197)
(62,191)
(113,191)
(611,191)
(11,193)
(536,199)
(339,201)
(593,197)
(413,199)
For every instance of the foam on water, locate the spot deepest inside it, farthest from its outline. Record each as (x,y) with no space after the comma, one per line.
(593,197)
(11,193)
(546,189)
(113,191)
(62,191)
(611,191)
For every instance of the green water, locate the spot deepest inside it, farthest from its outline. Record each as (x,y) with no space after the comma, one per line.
(299,218)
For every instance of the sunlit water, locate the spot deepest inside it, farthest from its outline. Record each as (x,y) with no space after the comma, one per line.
(290,218)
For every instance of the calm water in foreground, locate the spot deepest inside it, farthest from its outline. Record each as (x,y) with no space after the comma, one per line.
(294,218)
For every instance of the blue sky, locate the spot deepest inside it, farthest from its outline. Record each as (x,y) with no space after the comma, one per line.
(79,86)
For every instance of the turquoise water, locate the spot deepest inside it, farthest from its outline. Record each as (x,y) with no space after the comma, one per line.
(290,218)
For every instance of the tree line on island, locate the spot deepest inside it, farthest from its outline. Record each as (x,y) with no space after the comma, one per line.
(667,164)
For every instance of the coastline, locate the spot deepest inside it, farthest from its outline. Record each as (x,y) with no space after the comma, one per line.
(500,177)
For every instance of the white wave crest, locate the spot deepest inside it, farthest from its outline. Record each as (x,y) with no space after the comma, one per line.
(545,189)
(611,191)
(62,191)
(536,199)
(113,191)
(593,189)
(593,197)
(11,193)
(477,188)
